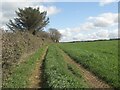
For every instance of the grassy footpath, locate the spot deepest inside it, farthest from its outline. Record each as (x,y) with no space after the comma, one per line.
(100,57)
(58,73)
(20,76)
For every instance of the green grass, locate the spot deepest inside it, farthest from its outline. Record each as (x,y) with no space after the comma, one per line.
(58,73)
(19,77)
(100,57)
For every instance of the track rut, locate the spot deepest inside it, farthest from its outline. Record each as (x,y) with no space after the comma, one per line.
(36,77)
(92,80)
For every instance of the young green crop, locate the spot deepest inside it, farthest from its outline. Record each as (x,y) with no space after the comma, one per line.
(57,72)
(100,57)
(20,75)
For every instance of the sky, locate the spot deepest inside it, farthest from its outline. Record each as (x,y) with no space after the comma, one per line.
(76,21)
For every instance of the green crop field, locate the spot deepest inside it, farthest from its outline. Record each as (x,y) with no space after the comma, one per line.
(60,67)
(99,57)
(60,45)
(57,74)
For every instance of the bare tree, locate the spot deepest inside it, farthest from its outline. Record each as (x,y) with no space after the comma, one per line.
(55,35)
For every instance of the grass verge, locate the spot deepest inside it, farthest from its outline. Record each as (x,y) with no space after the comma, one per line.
(19,77)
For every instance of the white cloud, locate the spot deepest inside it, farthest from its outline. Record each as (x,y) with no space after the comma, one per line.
(9,8)
(103,26)
(114,34)
(87,26)
(102,34)
(99,34)
(13,1)
(50,10)
(28,1)
(105,19)
(105,2)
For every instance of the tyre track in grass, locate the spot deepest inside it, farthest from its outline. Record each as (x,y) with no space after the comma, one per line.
(92,80)
(36,78)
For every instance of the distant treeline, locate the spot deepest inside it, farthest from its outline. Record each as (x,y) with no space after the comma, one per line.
(94,40)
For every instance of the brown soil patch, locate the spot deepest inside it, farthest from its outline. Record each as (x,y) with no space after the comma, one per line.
(36,77)
(92,80)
